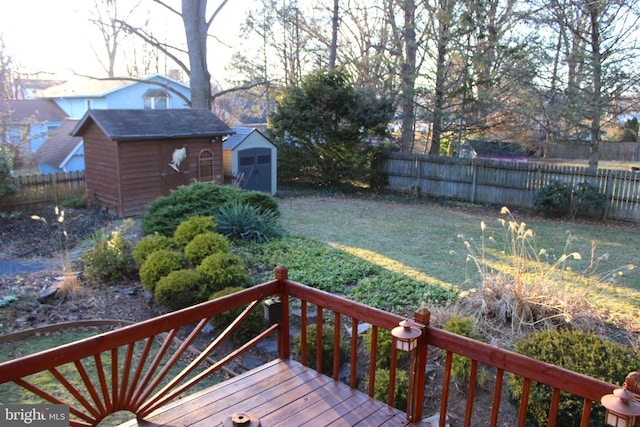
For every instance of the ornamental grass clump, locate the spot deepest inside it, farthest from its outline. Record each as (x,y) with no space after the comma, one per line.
(68,285)
(520,288)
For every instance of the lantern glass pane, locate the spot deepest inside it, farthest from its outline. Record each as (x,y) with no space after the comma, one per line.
(615,420)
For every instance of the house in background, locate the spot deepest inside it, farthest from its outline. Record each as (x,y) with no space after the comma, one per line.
(155,92)
(249,154)
(26,125)
(133,157)
(61,152)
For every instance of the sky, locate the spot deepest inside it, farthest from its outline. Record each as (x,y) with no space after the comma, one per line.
(56,37)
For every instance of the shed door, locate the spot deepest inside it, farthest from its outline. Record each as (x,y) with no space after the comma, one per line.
(255,163)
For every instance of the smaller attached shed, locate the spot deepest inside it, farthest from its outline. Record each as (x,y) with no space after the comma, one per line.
(132,157)
(250,154)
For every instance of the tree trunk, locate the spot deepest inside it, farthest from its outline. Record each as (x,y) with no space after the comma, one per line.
(594,152)
(195,26)
(438,102)
(408,76)
(333,50)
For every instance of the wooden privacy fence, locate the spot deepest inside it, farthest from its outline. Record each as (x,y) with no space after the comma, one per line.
(511,184)
(41,190)
(627,151)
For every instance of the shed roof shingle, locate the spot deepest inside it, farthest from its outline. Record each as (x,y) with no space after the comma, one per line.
(127,125)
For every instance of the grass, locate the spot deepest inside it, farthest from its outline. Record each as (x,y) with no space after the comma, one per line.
(427,242)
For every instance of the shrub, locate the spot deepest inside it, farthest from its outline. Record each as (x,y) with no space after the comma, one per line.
(75,202)
(581,352)
(381,388)
(150,244)
(190,228)
(110,260)
(327,347)
(245,222)
(159,264)
(205,244)
(8,184)
(248,327)
(461,366)
(179,289)
(554,198)
(263,202)
(197,199)
(587,200)
(222,270)
(385,342)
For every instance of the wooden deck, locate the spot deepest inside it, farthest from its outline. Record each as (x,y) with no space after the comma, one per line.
(279,393)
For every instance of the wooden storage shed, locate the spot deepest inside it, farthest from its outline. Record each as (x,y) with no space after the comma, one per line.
(250,154)
(132,157)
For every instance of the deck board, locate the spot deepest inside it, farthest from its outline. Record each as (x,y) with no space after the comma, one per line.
(280,393)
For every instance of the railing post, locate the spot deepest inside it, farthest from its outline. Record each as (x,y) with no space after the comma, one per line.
(284,345)
(417,374)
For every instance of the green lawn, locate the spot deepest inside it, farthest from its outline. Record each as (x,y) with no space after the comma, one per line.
(427,242)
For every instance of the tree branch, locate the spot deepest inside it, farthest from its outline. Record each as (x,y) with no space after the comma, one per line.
(217,11)
(149,39)
(239,88)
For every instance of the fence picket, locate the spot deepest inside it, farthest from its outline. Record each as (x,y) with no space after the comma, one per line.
(35,191)
(512,184)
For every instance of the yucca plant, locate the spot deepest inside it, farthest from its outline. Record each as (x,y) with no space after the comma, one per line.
(240,221)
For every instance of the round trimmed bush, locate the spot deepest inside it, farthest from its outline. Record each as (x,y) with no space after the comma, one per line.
(248,328)
(222,270)
(179,289)
(580,352)
(159,264)
(193,226)
(205,244)
(150,244)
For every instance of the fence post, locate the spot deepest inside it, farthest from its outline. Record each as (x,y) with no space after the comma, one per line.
(284,345)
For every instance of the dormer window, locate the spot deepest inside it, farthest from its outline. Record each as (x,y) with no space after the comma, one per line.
(156,99)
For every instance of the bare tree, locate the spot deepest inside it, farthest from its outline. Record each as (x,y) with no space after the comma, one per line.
(106,17)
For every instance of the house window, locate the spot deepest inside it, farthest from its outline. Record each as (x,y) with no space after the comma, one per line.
(155,99)
(205,166)
(15,134)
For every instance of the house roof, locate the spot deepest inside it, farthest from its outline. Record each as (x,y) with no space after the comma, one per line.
(128,125)
(30,110)
(95,88)
(239,136)
(59,144)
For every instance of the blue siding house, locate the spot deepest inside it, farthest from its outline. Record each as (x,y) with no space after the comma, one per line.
(65,153)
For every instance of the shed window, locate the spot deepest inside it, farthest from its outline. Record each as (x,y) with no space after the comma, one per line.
(155,99)
(205,166)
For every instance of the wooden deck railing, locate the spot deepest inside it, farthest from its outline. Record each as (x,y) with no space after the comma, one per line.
(134,368)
